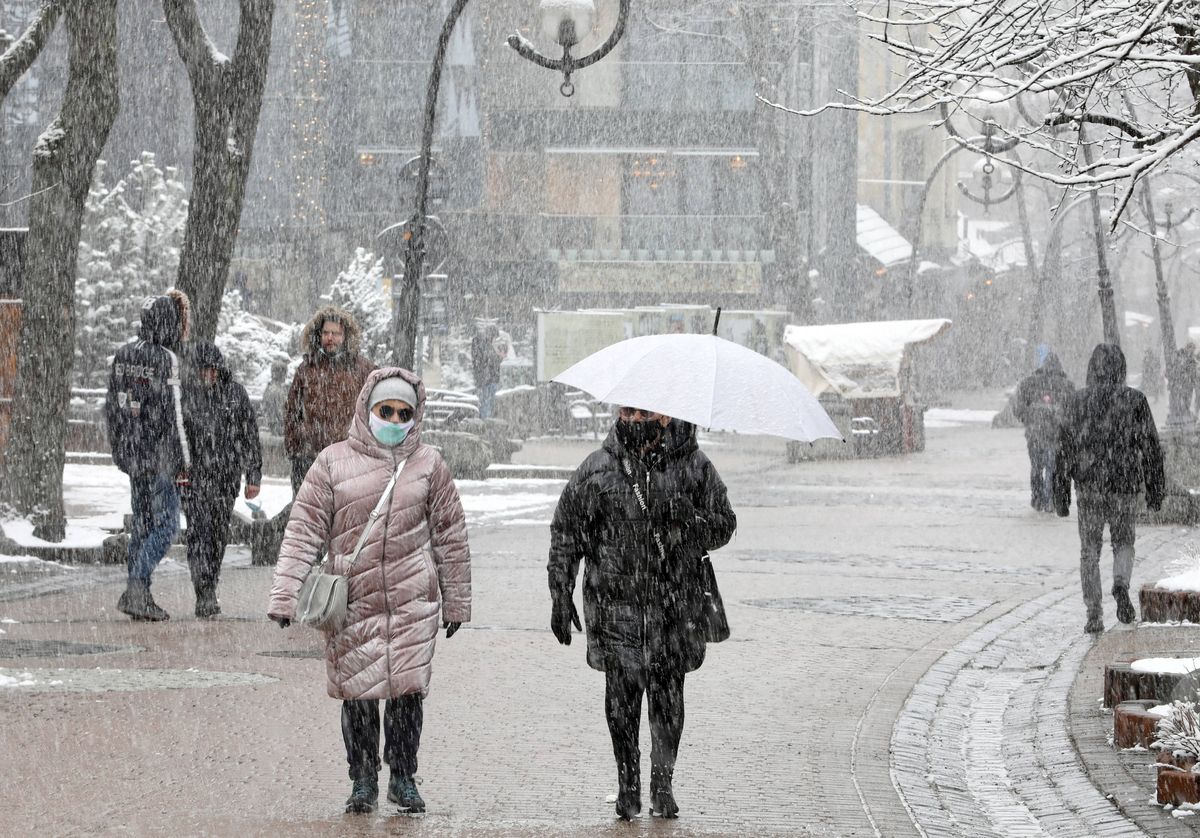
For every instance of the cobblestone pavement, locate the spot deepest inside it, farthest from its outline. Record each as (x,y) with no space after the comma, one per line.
(906,637)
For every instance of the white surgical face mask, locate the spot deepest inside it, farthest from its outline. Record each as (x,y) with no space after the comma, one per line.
(389,433)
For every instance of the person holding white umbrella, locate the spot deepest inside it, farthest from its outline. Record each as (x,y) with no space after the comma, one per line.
(641,515)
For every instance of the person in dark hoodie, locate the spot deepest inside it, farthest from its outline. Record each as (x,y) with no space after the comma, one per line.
(142,410)
(1109,446)
(223,433)
(1039,404)
(642,589)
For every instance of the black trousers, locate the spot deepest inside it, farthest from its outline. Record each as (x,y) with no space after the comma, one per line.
(623,708)
(402,721)
(207,533)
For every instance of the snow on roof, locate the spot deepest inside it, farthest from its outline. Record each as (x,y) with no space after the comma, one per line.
(855,360)
(880,239)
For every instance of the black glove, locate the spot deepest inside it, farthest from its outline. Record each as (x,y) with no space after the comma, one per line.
(450,627)
(680,520)
(562,616)
(284,622)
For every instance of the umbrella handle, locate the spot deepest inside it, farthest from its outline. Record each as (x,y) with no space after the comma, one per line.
(716,320)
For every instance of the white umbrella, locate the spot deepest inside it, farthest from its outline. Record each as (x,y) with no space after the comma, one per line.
(706,380)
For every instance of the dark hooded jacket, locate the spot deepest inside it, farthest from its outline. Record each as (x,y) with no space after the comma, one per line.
(320,401)
(221,427)
(639,610)
(1041,400)
(144,431)
(1108,442)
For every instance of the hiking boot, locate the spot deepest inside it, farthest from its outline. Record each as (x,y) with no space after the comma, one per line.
(139,605)
(629,794)
(364,795)
(1095,623)
(662,798)
(403,792)
(1125,611)
(207,606)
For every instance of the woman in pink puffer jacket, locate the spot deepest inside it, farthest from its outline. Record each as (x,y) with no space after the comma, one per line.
(414,564)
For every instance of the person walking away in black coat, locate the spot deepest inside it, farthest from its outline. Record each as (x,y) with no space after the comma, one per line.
(146,437)
(223,432)
(1108,445)
(1039,404)
(643,603)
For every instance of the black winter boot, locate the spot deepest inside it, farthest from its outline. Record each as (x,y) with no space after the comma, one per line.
(1125,612)
(1095,622)
(629,792)
(662,798)
(403,792)
(364,796)
(139,605)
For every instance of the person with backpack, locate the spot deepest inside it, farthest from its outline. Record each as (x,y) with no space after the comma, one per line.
(1039,404)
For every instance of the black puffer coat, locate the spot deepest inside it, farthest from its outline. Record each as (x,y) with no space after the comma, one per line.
(1108,442)
(221,427)
(639,610)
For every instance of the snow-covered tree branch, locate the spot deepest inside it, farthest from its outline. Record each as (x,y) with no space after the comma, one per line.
(24,50)
(1056,65)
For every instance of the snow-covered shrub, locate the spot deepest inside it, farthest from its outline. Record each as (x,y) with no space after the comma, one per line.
(251,343)
(359,290)
(1180,730)
(128,250)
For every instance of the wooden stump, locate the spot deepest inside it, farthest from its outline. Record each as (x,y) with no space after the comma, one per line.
(1176,787)
(1121,683)
(1163,606)
(1134,725)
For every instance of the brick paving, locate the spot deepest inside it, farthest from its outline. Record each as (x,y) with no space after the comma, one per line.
(963,711)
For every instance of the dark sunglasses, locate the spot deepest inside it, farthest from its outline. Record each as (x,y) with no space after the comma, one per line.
(402,413)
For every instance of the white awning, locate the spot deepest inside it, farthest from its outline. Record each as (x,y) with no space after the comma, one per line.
(880,239)
(855,360)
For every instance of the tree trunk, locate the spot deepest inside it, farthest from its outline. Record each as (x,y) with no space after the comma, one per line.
(228,98)
(63,163)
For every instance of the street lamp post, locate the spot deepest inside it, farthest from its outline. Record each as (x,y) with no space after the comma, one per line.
(568,21)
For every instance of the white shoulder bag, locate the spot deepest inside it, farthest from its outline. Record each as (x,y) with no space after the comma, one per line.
(323,598)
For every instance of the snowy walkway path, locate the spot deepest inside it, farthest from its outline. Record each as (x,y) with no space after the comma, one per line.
(982,746)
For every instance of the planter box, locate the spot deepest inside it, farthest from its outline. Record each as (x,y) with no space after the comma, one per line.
(1162,606)
(1123,684)
(1176,787)
(1134,725)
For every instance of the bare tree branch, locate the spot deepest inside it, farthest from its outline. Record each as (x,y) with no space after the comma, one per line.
(24,51)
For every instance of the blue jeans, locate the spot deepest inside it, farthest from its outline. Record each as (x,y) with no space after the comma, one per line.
(155,521)
(487,400)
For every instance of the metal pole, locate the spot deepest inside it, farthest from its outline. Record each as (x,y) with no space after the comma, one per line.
(1108,311)
(920,225)
(408,296)
(1032,271)
(1167,324)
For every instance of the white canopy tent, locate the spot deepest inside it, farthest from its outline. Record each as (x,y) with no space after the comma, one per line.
(856,360)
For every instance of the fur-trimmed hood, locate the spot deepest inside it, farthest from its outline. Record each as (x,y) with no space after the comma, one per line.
(310,338)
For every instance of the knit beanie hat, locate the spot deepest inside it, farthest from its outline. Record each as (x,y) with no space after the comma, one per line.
(392,388)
